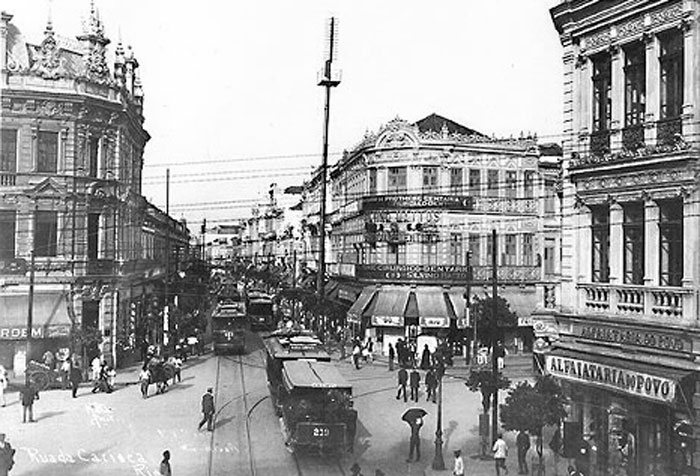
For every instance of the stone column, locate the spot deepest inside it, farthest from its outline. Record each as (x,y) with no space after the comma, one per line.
(618,97)
(652,89)
(651,243)
(690,127)
(5,19)
(616,252)
(691,239)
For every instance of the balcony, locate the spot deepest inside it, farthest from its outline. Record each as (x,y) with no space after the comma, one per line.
(666,304)
(633,137)
(668,131)
(8,179)
(600,143)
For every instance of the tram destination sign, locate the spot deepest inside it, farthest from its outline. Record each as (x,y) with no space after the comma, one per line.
(407,201)
(612,377)
(638,337)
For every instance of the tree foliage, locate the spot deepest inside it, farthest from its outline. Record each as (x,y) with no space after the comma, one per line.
(481,311)
(481,380)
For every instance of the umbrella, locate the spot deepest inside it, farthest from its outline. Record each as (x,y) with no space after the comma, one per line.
(412,414)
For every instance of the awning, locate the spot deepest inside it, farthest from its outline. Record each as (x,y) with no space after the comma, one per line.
(389,306)
(359,306)
(630,377)
(458,305)
(349,293)
(49,316)
(329,290)
(432,309)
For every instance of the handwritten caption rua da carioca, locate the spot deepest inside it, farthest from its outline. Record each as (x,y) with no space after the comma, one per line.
(136,461)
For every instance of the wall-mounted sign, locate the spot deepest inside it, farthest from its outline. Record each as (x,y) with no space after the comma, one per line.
(443,202)
(391,321)
(38,332)
(406,273)
(641,338)
(608,376)
(434,322)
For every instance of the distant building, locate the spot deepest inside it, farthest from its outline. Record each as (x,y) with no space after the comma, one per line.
(71,160)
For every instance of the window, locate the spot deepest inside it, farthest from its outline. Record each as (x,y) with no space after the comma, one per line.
(430,178)
(602,87)
(429,255)
(528,249)
(396,179)
(94,159)
(508,257)
(511,184)
(93,234)
(635,84)
(372,181)
(456,181)
(474,182)
(601,243)
(492,183)
(671,63)
(456,253)
(397,253)
(475,249)
(671,242)
(8,153)
(489,249)
(529,184)
(633,227)
(7,234)
(550,205)
(47,158)
(549,268)
(45,233)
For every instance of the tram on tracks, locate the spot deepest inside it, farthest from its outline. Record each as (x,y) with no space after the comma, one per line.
(230,323)
(261,310)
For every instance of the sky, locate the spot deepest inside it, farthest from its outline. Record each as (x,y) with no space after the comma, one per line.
(231,96)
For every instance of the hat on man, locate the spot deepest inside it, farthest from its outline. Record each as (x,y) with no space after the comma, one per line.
(458,452)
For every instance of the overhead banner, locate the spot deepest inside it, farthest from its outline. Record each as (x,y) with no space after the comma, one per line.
(629,381)
(443,202)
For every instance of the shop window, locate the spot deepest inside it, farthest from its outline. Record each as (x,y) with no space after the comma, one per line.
(430,179)
(8,223)
(456,252)
(634,243)
(45,233)
(671,242)
(47,158)
(456,180)
(396,179)
(492,183)
(601,243)
(475,182)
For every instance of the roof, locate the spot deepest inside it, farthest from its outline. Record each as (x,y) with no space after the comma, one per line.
(435,123)
(312,374)
(295,348)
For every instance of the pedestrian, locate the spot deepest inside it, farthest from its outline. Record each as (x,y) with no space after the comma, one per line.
(414,442)
(500,352)
(392,356)
(403,380)
(3,384)
(28,394)
(75,378)
(430,385)
(351,425)
(500,451)
(368,350)
(207,410)
(415,384)
(176,362)
(65,373)
(165,469)
(356,354)
(425,358)
(48,359)
(401,352)
(458,469)
(523,444)
(7,456)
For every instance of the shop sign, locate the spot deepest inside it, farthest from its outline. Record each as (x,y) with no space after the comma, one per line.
(443,202)
(434,322)
(392,321)
(462,323)
(412,273)
(525,321)
(629,381)
(640,338)
(346,295)
(20,333)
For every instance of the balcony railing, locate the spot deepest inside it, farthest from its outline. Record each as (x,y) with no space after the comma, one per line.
(633,137)
(655,303)
(668,131)
(600,143)
(550,297)
(7,179)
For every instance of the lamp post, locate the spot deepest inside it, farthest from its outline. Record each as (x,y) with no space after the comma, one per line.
(30,318)
(438,460)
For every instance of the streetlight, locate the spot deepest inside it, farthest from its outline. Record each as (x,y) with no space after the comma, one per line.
(438,460)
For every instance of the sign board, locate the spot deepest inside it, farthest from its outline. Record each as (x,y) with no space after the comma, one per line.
(636,383)
(38,332)
(525,321)
(434,322)
(321,434)
(408,201)
(406,273)
(392,321)
(638,337)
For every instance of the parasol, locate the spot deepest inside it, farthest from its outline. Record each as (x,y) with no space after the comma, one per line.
(412,414)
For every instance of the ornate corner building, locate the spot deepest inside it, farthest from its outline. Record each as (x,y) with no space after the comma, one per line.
(70,199)
(624,336)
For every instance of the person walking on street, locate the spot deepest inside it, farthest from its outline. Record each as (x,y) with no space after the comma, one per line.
(403,380)
(3,384)
(523,443)
(75,378)
(65,373)
(430,385)
(414,442)
(207,410)
(28,395)
(7,456)
(458,469)
(500,451)
(415,384)
(165,469)
(356,354)
(425,358)
(392,355)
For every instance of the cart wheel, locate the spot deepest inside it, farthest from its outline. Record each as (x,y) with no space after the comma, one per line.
(39,380)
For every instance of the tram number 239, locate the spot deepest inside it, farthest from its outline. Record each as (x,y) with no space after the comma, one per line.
(321,432)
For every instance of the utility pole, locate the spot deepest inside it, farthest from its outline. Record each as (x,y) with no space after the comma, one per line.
(294,280)
(471,353)
(494,341)
(30,318)
(166,308)
(328,80)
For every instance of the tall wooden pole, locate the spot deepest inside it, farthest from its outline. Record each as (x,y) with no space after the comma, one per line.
(30,318)
(166,308)
(494,341)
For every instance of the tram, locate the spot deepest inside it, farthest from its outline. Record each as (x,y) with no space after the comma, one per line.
(230,323)
(317,410)
(261,310)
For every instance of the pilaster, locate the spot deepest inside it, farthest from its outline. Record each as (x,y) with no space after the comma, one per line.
(651,243)
(616,251)
(583,243)
(653,86)
(618,97)
(691,239)
(690,60)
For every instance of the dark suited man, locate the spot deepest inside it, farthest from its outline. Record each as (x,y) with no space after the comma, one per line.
(403,380)
(207,410)
(415,384)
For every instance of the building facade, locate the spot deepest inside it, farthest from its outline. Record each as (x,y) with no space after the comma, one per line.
(72,217)
(625,332)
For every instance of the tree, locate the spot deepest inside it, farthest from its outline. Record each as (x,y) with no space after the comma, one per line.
(530,408)
(482,310)
(481,380)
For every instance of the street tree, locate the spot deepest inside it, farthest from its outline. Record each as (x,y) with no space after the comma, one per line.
(532,407)
(481,311)
(481,380)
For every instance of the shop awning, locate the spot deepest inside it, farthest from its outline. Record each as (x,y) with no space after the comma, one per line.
(631,377)
(49,316)
(456,305)
(359,306)
(432,308)
(329,290)
(388,307)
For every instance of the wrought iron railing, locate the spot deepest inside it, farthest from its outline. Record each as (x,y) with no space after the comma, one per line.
(668,131)
(600,143)
(633,137)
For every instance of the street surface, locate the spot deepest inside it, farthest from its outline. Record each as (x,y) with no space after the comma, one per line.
(121,433)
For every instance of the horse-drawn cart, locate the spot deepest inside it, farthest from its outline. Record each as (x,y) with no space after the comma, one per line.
(43,377)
